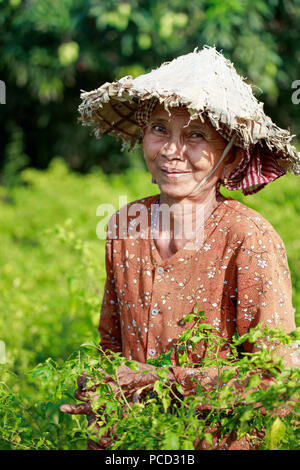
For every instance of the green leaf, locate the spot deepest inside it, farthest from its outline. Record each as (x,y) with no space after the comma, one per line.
(132,365)
(182,359)
(171,441)
(109,369)
(166,401)
(199,389)
(225,394)
(157,387)
(227,375)
(179,388)
(162,373)
(188,445)
(253,382)
(205,326)
(68,52)
(208,438)
(247,414)
(196,339)
(144,41)
(188,318)
(276,434)
(186,335)
(241,339)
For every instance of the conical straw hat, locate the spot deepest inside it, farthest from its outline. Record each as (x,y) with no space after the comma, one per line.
(208,85)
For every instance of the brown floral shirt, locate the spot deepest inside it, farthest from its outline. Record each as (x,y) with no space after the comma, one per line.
(239,277)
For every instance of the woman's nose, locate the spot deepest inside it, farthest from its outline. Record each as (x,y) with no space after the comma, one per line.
(173,149)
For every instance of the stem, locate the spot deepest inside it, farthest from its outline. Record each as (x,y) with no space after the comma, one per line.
(177,398)
(11,441)
(217,357)
(117,380)
(122,393)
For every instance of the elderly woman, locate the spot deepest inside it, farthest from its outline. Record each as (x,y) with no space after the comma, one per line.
(200,127)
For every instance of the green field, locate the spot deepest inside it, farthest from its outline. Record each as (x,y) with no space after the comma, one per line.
(53,273)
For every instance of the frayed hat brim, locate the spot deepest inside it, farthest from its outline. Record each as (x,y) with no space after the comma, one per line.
(207,84)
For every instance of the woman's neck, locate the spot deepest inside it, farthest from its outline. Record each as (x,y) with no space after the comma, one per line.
(179,221)
(184,216)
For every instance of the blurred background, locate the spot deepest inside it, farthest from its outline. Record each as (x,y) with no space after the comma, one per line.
(53,175)
(51,49)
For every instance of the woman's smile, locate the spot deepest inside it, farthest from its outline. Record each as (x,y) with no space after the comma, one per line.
(174,174)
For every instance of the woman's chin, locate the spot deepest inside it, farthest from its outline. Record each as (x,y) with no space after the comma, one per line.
(175,190)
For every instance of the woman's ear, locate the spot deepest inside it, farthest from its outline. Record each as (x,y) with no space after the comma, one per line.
(234,159)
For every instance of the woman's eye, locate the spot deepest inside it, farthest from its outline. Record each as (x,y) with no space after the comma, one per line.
(158,128)
(196,135)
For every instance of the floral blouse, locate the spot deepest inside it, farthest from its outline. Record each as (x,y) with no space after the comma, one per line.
(239,277)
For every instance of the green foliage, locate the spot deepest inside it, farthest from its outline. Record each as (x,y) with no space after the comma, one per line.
(51,283)
(50,50)
(37,423)
(166,419)
(52,263)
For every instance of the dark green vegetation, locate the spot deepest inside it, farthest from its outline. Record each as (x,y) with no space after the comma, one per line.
(51,49)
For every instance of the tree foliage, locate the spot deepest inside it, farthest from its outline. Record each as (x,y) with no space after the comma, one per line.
(51,49)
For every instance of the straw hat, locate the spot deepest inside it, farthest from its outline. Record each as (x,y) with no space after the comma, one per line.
(208,85)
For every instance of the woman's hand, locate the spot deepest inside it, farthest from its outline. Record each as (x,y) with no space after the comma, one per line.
(83,395)
(131,381)
(128,380)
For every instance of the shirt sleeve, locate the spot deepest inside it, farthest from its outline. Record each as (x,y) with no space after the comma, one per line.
(109,324)
(264,294)
(264,289)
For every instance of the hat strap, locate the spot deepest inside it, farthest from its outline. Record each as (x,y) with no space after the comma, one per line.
(225,152)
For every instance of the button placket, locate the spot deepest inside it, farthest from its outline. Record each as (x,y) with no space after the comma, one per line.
(153,317)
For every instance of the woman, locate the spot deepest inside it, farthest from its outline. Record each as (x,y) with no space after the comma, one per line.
(200,127)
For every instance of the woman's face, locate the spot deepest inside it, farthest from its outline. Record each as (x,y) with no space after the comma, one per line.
(179,153)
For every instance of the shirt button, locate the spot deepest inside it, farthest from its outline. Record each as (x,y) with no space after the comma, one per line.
(160,270)
(154,311)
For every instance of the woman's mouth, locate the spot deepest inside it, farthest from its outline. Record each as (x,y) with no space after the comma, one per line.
(174,174)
